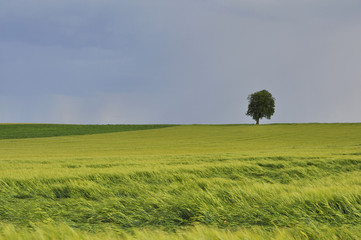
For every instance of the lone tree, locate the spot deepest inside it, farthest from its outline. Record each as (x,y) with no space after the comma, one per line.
(261,104)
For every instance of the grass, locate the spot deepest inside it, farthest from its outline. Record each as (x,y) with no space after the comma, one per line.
(63,231)
(299,181)
(13,131)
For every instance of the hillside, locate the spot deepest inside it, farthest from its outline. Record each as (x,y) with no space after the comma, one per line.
(13,131)
(282,181)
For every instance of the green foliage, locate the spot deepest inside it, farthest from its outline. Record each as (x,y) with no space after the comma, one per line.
(277,181)
(261,105)
(13,131)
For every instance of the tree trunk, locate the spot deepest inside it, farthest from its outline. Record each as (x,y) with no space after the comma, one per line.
(257,121)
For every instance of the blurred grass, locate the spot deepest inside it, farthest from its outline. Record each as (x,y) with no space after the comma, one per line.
(63,231)
(299,181)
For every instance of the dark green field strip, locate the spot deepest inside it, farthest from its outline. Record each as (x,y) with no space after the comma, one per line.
(14,131)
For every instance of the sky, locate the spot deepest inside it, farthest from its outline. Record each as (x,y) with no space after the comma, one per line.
(178,61)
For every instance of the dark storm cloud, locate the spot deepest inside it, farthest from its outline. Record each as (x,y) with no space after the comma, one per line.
(178,61)
(76,47)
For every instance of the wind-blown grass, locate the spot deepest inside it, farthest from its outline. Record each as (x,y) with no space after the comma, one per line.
(183,182)
(62,231)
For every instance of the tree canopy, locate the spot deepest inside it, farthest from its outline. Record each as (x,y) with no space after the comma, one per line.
(261,105)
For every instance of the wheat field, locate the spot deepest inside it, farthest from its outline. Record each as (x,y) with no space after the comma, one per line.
(277,181)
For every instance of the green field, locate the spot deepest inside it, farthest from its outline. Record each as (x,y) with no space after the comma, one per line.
(11,131)
(278,181)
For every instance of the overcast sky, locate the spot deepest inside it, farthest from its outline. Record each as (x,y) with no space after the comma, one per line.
(178,61)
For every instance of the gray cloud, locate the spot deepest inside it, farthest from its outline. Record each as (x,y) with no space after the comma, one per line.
(178,62)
